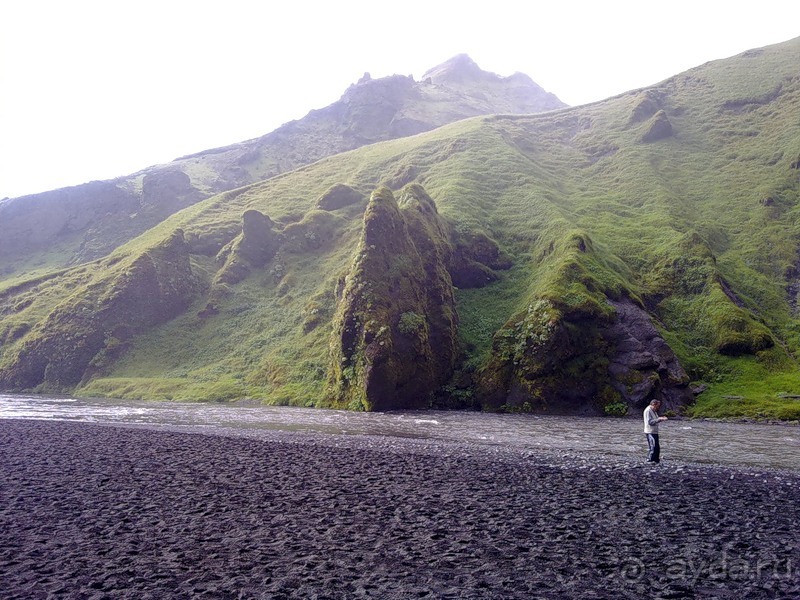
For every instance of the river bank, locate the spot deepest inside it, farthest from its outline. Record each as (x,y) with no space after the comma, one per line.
(96,511)
(713,442)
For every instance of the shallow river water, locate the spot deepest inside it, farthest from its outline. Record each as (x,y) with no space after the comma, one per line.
(698,441)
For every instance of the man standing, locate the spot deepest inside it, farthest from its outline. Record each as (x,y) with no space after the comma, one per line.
(651,421)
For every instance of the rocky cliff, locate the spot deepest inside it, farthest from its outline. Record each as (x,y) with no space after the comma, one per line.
(582,344)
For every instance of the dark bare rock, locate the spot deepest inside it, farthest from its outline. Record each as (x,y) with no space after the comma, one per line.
(642,366)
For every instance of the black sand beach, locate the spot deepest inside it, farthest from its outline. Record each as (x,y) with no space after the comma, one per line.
(91,511)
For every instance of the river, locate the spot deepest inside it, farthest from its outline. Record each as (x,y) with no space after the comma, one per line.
(756,445)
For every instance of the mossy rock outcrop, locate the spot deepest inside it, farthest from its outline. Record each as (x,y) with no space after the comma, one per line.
(476,260)
(658,128)
(253,247)
(546,363)
(338,196)
(697,297)
(647,105)
(735,330)
(582,343)
(395,329)
(96,323)
(313,233)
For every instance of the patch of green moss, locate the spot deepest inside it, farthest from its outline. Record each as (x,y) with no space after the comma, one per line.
(756,387)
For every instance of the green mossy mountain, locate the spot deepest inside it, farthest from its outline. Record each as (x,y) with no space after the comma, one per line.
(79,224)
(575,261)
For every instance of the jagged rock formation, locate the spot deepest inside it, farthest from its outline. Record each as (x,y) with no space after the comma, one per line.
(641,364)
(394,340)
(82,334)
(520,93)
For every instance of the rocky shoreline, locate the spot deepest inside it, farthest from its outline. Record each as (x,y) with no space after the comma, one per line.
(93,511)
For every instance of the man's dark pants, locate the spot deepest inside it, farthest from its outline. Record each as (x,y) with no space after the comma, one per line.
(654,454)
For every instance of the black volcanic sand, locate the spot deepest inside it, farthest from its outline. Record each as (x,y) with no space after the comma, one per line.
(91,511)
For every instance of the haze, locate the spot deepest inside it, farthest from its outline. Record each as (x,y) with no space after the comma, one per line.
(94,90)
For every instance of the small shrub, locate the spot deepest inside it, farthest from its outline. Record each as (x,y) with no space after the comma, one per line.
(616,409)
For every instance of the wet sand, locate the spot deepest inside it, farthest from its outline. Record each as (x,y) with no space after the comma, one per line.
(92,511)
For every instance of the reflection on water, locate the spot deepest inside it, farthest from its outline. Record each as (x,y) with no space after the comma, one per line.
(741,444)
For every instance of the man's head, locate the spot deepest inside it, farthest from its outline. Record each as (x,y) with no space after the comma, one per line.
(655,404)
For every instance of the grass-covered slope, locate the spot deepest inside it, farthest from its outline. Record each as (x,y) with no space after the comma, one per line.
(643,246)
(75,225)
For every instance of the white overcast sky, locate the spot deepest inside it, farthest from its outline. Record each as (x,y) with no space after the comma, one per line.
(96,89)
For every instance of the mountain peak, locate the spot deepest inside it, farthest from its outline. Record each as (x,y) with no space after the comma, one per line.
(459,68)
(462,73)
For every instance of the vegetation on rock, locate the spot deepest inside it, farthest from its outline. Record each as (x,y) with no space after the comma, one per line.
(395,331)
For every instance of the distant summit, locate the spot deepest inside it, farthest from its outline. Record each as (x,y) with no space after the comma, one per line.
(458,69)
(519,93)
